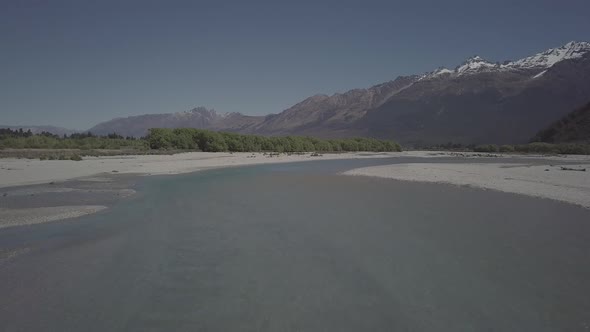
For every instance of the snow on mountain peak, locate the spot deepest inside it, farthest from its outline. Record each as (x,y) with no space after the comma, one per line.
(537,63)
(475,58)
(474,64)
(441,71)
(548,58)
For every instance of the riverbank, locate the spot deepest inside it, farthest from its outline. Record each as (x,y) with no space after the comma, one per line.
(270,247)
(31,216)
(54,201)
(567,183)
(38,191)
(17,172)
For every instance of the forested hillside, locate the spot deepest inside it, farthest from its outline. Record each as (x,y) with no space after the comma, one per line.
(574,127)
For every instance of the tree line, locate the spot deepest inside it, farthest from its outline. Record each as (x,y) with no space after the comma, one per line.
(212,141)
(166,140)
(7,132)
(19,139)
(20,133)
(532,147)
(537,147)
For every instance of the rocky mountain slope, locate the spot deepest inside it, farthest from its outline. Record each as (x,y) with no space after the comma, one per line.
(477,102)
(572,128)
(323,115)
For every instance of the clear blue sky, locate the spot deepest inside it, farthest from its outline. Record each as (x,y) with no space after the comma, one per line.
(76,63)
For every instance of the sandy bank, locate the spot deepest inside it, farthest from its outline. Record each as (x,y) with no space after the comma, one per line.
(547,181)
(15,172)
(20,217)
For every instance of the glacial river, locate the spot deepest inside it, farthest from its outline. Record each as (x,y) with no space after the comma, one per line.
(297,247)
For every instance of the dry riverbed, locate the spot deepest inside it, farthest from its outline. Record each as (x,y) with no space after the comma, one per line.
(15,172)
(38,191)
(53,201)
(31,216)
(568,183)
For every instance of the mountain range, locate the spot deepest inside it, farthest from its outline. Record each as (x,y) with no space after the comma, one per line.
(479,101)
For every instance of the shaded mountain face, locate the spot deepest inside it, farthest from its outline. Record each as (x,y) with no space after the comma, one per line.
(323,115)
(572,128)
(489,106)
(477,102)
(40,129)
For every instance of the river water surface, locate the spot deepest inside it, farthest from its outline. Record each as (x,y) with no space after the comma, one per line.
(296,247)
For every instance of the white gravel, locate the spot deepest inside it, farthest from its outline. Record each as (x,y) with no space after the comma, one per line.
(31,216)
(541,180)
(15,172)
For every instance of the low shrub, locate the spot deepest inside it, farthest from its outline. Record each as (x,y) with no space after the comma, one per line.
(506,148)
(486,148)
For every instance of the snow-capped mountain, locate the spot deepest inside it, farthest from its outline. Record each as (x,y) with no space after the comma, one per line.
(537,63)
(438,72)
(479,101)
(475,64)
(550,57)
(485,102)
(468,104)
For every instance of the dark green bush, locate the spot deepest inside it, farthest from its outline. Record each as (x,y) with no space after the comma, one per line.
(548,148)
(211,141)
(506,148)
(486,148)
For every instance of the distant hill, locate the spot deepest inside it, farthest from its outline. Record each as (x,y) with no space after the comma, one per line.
(39,129)
(572,128)
(332,116)
(200,118)
(477,102)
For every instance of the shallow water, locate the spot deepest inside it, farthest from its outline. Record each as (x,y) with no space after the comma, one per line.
(295,247)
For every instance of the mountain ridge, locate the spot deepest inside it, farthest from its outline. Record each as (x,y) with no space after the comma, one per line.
(463,104)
